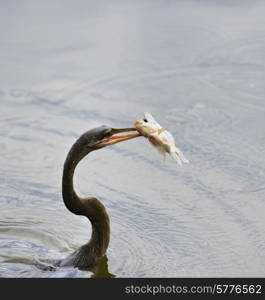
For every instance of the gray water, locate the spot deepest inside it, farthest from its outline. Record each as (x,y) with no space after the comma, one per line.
(199,68)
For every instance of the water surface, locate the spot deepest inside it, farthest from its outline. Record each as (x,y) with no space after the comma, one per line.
(199,68)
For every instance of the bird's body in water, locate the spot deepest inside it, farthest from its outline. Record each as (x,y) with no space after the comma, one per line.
(88,255)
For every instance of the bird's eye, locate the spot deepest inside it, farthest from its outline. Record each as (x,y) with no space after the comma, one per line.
(145,120)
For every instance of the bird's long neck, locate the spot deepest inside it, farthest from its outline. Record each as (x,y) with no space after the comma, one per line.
(90,207)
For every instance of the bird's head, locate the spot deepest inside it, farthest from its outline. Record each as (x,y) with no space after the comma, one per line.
(104,136)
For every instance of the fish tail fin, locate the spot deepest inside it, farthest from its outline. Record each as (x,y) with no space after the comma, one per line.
(178,156)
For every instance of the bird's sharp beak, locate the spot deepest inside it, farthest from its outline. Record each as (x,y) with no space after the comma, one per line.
(115,137)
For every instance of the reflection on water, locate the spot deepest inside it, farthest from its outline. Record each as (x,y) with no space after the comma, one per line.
(198,67)
(101,269)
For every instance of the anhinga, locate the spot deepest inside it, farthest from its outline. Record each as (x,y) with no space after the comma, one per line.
(89,254)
